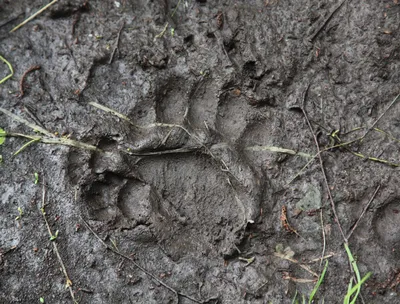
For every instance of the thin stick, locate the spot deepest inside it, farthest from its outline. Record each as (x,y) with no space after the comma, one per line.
(10,67)
(21,82)
(60,261)
(321,164)
(33,16)
(323,238)
(116,42)
(326,21)
(379,118)
(364,210)
(177,293)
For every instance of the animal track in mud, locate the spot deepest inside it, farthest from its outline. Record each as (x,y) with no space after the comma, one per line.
(190,205)
(134,201)
(100,197)
(171,101)
(231,117)
(386,223)
(194,203)
(193,193)
(203,105)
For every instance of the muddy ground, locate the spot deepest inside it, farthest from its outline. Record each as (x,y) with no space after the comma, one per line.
(190,173)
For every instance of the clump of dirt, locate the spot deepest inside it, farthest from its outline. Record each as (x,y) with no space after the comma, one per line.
(177,161)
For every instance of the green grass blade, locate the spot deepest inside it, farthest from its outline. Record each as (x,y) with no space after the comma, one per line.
(321,278)
(3,135)
(9,66)
(356,289)
(25,146)
(355,268)
(347,297)
(294,299)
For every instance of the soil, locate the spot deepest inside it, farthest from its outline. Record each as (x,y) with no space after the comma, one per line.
(190,175)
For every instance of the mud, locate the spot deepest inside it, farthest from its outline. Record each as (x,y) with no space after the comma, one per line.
(203,146)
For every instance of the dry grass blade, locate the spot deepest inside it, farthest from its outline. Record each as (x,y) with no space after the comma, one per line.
(48,137)
(109,110)
(33,16)
(68,282)
(305,267)
(27,123)
(278,150)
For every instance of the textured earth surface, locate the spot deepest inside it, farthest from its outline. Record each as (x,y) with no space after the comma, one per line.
(173,132)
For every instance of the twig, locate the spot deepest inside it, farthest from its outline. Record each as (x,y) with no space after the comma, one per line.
(323,238)
(116,42)
(60,261)
(380,117)
(326,21)
(364,210)
(21,82)
(33,16)
(174,291)
(10,67)
(321,164)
